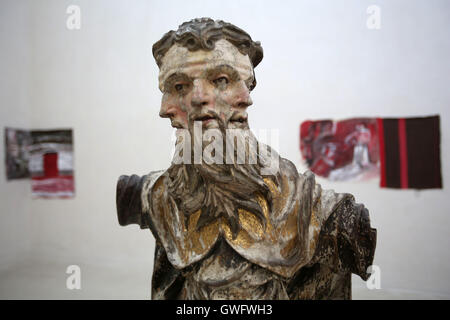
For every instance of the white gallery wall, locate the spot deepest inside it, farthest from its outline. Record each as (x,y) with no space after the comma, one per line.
(320,61)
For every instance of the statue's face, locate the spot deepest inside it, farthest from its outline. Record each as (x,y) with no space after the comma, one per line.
(206,85)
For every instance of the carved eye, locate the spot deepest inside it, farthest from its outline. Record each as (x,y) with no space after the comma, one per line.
(179,87)
(221,81)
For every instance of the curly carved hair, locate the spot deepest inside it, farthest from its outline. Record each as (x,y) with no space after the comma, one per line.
(202,34)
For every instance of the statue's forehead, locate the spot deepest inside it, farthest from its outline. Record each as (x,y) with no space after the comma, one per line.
(179,59)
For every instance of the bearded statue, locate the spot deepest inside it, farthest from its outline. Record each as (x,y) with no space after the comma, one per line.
(237,223)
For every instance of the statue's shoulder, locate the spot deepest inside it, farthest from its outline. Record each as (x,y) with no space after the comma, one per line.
(152,188)
(152,179)
(287,167)
(288,170)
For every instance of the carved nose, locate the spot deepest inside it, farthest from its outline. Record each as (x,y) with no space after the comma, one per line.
(166,112)
(242,98)
(201,96)
(244,102)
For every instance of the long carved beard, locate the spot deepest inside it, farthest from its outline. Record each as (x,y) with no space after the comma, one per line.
(218,190)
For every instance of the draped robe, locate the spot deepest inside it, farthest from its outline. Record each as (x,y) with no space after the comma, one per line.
(312,242)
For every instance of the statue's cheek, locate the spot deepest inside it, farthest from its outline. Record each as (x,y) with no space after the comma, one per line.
(182,102)
(237,94)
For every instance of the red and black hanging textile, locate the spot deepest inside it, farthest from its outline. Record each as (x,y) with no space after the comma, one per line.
(410,153)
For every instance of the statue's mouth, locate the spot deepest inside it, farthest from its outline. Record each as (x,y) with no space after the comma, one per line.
(205,118)
(238,119)
(211,120)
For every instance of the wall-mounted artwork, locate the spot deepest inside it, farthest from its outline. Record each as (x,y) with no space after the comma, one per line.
(341,150)
(16,153)
(403,152)
(51,163)
(44,155)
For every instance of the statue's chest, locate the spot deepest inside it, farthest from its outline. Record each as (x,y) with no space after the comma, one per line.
(226,275)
